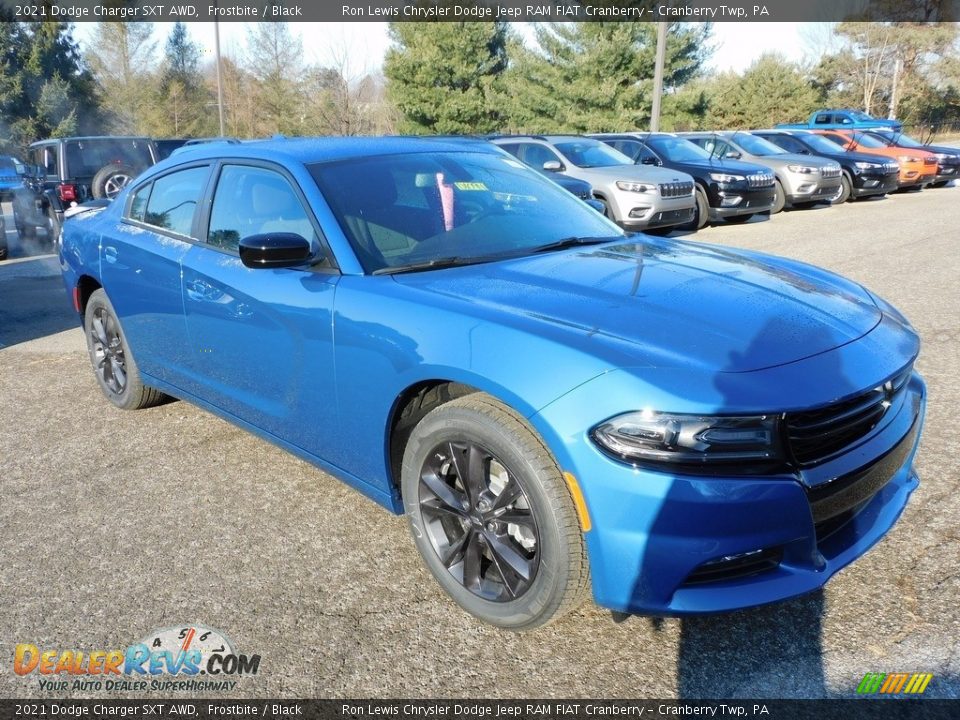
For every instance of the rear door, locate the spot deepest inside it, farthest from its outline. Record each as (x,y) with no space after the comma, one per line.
(263,339)
(140,266)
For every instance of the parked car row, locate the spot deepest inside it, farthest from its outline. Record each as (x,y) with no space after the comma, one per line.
(689,179)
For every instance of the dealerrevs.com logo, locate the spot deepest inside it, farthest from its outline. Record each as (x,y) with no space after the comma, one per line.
(197,657)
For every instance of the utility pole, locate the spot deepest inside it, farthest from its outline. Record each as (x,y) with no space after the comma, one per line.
(658,76)
(216,43)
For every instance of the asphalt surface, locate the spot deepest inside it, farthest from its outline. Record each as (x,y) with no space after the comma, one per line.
(117,523)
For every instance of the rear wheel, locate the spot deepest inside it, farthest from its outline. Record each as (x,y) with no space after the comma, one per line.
(112,360)
(939,184)
(491,515)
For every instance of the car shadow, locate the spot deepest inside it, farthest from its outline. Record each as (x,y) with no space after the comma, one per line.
(35,303)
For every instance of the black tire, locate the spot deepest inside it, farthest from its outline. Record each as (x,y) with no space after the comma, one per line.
(53,227)
(740,219)
(607,212)
(938,184)
(110,180)
(701,213)
(113,363)
(779,198)
(513,461)
(846,190)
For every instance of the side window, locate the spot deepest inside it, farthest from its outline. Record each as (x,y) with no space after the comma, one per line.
(512,148)
(536,155)
(46,157)
(174,199)
(250,201)
(844,120)
(822,119)
(138,204)
(630,148)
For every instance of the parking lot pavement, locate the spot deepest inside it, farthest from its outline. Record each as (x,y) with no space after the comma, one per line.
(118,523)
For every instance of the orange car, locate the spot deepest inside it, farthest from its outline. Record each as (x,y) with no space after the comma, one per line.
(917,167)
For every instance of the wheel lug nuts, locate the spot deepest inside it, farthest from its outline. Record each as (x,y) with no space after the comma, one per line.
(492,526)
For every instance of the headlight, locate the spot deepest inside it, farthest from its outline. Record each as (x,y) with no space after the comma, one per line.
(867,165)
(908,158)
(661,438)
(631,186)
(802,169)
(724,178)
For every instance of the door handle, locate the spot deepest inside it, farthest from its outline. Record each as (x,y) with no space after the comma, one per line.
(110,254)
(201,291)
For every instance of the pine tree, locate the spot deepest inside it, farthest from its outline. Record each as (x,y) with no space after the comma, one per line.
(445,77)
(45,88)
(596,76)
(122,58)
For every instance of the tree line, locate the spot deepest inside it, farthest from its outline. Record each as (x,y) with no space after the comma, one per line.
(457,78)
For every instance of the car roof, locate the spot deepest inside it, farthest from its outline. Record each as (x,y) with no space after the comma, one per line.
(51,141)
(326,149)
(541,138)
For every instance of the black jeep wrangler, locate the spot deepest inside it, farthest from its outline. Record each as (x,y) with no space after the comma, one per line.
(66,171)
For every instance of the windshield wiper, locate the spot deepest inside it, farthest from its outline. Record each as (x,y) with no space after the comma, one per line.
(435,264)
(572,242)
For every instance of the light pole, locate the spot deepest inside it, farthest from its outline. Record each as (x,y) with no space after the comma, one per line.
(216,44)
(658,76)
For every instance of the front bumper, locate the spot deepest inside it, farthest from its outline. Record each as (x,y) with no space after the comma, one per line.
(729,201)
(823,190)
(865,184)
(656,536)
(637,211)
(946,172)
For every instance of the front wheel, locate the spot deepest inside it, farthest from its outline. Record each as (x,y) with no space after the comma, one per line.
(846,190)
(112,360)
(779,198)
(701,212)
(491,515)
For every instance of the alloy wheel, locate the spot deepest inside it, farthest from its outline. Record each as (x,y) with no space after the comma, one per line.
(115,183)
(479,521)
(108,357)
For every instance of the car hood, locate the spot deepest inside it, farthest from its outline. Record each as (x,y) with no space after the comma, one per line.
(643,173)
(785,159)
(664,303)
(727,165)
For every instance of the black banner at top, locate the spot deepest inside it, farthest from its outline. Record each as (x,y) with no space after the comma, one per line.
(480,10)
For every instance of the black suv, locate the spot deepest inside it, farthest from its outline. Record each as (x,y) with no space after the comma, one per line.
(863,174)
(729,189)
(66,171)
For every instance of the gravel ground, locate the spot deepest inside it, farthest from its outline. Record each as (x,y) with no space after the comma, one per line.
(117,523)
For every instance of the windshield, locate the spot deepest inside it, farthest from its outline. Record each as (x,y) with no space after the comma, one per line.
(757,145)
(869,142)
(900,139)
(819,143)
(410,209)
(10,166)
(678,149)
(592,154)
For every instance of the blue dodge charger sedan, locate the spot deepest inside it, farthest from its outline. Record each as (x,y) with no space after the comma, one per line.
(555,405)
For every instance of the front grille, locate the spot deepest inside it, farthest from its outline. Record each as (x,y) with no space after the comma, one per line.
(830,172)
(736,566)
(760,180)
(676,189)
(816,435)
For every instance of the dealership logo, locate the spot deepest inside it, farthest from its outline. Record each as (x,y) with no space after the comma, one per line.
(183,652)
(894,683)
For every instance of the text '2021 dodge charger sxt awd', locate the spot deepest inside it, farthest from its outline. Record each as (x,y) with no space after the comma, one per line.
(554,404)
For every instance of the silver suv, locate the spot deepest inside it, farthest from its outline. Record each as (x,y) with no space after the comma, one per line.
(802,180)
(635,196)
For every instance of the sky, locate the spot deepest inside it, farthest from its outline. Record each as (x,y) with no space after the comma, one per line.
(736,45)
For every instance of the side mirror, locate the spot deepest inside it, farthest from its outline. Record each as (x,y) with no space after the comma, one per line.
(650,161)
(274,250)
(553,166)
(733,155)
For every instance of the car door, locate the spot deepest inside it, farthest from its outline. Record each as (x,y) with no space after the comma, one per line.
(140,269)
(262,338)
